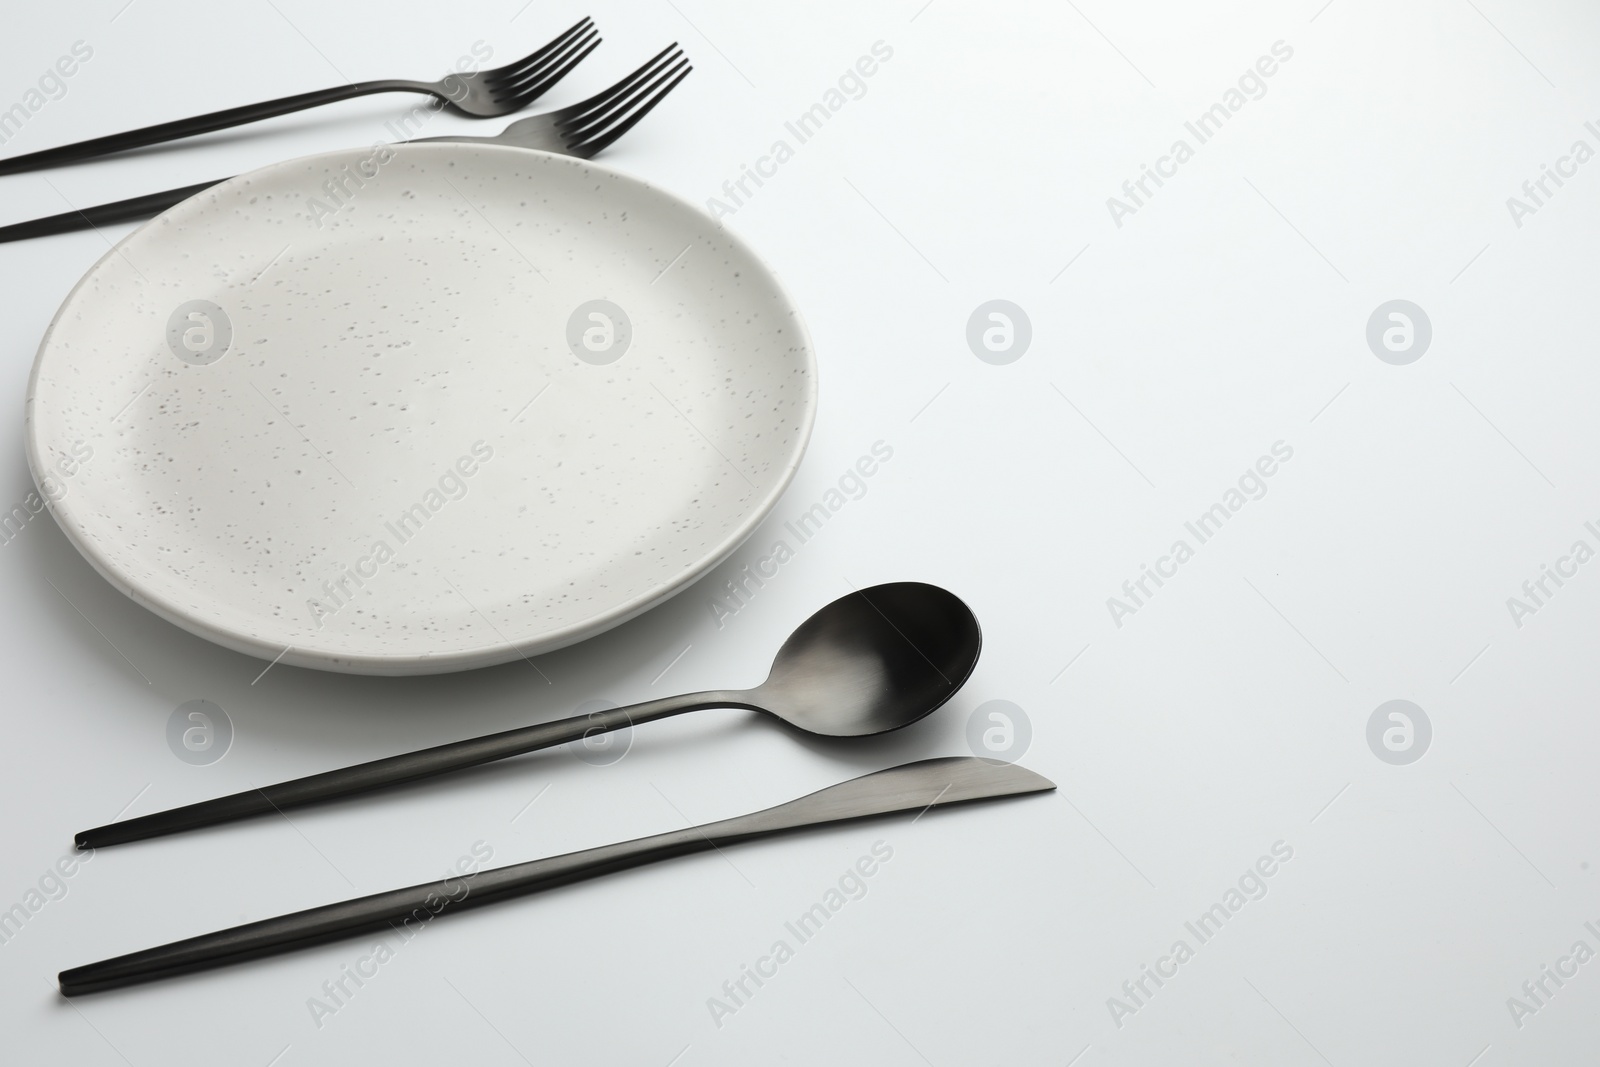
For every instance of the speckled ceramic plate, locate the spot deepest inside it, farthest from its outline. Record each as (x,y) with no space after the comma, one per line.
(421,413)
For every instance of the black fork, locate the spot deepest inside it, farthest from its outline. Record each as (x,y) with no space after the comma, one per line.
(582,129)
(481,94)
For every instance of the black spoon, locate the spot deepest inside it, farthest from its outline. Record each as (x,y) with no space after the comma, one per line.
(870,662)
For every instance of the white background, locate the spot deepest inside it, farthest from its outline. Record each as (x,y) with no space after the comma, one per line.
(1229,713)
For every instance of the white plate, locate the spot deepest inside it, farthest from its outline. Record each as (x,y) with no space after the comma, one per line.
(334,413)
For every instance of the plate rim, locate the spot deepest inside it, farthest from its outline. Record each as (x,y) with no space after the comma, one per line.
(487,655)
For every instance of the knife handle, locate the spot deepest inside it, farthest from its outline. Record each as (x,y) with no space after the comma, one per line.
(138,207)
(909,787)
(402,911)
(406,767)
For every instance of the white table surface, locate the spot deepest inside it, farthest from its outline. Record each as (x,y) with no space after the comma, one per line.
(1227,715)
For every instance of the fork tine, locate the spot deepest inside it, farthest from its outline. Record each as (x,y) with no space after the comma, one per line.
(578,129)
(496,74)
(583,108)
(589,149)
(508,83)
(526,91)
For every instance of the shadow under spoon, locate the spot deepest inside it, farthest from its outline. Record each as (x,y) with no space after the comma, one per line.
(872,661)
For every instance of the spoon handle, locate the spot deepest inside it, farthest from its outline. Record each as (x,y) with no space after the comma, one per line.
(391,770)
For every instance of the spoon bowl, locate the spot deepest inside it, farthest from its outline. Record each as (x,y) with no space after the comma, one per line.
(873,661)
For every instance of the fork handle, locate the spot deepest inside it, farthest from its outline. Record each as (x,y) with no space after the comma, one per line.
(134,208)
(143,207)
(216,120)
(406,767)
(138,207)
